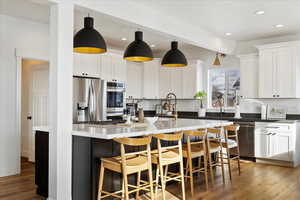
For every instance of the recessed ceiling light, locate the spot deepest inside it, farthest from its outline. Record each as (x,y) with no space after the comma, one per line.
(152,45)
(124,39)
(228,34)
(259,12)
(279,25)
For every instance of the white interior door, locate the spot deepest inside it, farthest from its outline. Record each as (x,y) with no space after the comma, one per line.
(38,103)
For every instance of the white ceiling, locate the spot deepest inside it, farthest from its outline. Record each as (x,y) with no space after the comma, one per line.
(235,16)
(216,16)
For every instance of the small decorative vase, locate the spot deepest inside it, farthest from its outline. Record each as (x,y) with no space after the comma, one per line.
(201,112)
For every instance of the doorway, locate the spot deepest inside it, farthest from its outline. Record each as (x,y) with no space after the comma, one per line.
(34,102)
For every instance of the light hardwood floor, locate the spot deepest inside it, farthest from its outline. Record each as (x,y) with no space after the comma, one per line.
(257,182)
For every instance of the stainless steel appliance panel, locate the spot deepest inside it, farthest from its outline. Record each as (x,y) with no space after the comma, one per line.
(89,99)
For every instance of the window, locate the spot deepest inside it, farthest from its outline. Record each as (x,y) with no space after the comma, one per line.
(223,82)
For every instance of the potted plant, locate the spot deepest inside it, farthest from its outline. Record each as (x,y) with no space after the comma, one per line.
(201,95)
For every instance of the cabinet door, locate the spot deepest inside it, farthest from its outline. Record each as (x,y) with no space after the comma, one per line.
(281,147)
(176,82)
(151,79)
(249,72)
(118,68)
(262,145)
(285,79)
(266,74)
(106,67)
(189,81)
(134,79)
(164,82)
(86,65)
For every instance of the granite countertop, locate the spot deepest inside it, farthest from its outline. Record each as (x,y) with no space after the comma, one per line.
(160,126)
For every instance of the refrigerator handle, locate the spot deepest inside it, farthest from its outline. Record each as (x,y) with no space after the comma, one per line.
(91,102)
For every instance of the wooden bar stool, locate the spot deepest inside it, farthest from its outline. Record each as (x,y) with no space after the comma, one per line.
(165,156)
(231,141)
(193,150)
(214,146)
(126,164)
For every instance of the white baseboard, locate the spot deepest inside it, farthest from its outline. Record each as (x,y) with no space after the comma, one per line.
(275,162)
(9,172)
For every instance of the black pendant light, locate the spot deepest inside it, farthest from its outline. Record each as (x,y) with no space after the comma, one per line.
(138,50)
(88,40)
(174,57)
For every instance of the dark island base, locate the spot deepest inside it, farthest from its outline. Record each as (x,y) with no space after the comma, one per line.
(87,153)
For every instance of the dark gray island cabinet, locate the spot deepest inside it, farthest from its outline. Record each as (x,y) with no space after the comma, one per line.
(93,142)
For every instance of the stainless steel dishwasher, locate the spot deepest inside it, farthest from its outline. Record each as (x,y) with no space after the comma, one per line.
(246,140)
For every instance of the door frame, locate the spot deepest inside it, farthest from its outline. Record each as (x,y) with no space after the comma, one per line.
(20,55)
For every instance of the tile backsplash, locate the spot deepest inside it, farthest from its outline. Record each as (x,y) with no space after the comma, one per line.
(247,105)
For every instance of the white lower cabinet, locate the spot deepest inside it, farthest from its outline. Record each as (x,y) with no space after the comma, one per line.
(275,141)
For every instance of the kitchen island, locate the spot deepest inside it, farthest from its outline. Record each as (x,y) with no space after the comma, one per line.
(92,142)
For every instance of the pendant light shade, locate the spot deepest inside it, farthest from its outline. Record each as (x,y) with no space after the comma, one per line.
(217,60)
(88,40)
(174,57)
(138,50)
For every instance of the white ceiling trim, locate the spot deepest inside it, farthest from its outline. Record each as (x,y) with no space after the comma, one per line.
(147,18)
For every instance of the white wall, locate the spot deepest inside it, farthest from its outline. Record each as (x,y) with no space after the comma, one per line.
(28,37)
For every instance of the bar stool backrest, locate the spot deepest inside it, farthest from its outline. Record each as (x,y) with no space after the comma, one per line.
(144,141)
(202,134)
(169,137)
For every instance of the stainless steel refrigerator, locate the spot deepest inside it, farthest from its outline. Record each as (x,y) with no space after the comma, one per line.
(89,100)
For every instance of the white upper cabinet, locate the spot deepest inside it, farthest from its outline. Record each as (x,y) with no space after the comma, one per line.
(164,81)
(279,70)
(134,84)
(151,79)
(248,77)
(113,67)
(183,81)
(191,79)
(86,65)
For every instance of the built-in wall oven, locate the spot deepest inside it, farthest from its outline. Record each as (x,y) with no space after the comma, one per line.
(115,98)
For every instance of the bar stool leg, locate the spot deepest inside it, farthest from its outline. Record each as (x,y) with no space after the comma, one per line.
(137,196)
(186,169)
(101,178)
(191,175)
(156,180)
(126,186)
(238,152)
(211,169)
(222,167)
(182,178)
(162,179)
(229,163)
(205,171)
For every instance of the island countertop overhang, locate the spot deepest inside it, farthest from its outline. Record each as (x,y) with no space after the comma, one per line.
(160,126)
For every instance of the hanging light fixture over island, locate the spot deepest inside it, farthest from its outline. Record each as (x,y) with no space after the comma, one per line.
(138,50)
(174,57)
(88,40)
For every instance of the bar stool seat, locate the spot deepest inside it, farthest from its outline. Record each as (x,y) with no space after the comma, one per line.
(215,147)
(230,143)
(168,157)
(196,151)
(133,163)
